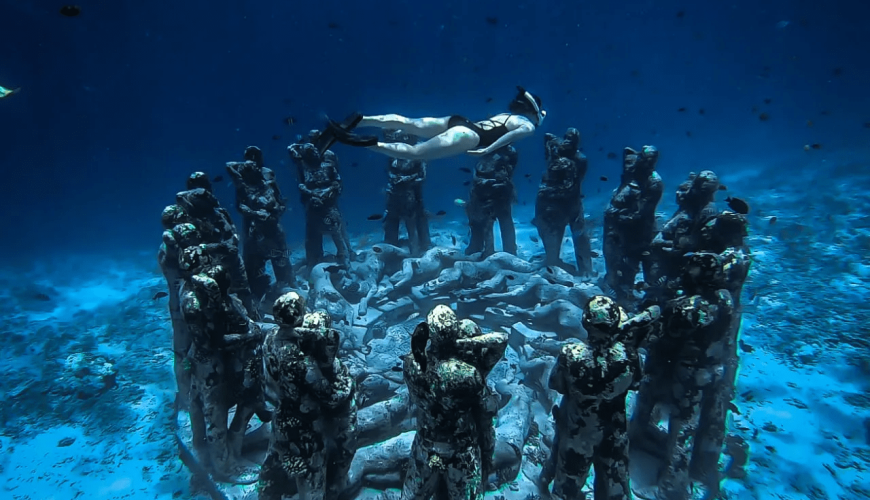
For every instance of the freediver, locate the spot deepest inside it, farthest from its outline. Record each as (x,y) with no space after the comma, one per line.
(449,135)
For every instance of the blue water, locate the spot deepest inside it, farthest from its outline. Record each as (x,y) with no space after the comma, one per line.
(119,104)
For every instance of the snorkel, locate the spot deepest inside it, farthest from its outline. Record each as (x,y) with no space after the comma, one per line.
(541,114)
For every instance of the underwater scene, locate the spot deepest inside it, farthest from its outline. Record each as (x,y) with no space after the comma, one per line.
(395,249)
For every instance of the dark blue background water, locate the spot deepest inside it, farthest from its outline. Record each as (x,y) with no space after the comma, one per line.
(120,104)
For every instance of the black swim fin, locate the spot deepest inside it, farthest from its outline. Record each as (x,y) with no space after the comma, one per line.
(333,129)
(342,132)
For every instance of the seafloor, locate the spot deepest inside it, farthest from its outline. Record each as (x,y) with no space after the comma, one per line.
(804,405)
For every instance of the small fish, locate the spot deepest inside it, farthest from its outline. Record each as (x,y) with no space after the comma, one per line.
(809,123)
(4,92)
(459,202)
(70,10)
(396,368)
(603,178)
(159,295)
(738,205)
(534,239)
(510,277)
(492,21)
(42,297)
(772,219)
(768,101)
(723,187)
(764,117)
(354,164)
(744,346)
(816,146)
(611,156)
(465,169)
(681,110)
(453,239)
(640,286)
(837,72)
(688,133)
(866,124)
(733,407)
(289,120)
(680,14)
(333,268)
(489,99)
(333,26)
(466,183)
(276,137)
(594,254)
(218,178)
(528,176)
(440,213)
(701,111)
(375,217)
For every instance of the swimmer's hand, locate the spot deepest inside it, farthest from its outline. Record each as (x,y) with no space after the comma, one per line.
(478,152)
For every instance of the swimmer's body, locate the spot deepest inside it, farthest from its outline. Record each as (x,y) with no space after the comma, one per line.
(450,135)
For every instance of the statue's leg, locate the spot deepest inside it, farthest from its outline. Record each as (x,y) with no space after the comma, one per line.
(508,230)
(281,263)
(463,476)
(421,480)
(340,459)
(254,257)
(574,455)
(582,246)
(313,240)
(611,462)
(551,238)
(391,228)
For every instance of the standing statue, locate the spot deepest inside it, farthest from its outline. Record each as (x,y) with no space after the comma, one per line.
(259,201)
(405,198)
(560,203)
(630,220)
(594,378)
(492,194)
(447,383)
(320,186)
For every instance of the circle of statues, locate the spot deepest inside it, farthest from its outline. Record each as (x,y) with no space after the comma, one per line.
(433,371)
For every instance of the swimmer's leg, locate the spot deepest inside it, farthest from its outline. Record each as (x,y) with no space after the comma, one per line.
(425,128)
(453,142)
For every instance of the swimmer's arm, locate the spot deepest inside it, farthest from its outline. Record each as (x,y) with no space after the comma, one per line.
(514,135)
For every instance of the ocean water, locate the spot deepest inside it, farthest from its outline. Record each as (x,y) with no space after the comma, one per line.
(121,102)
